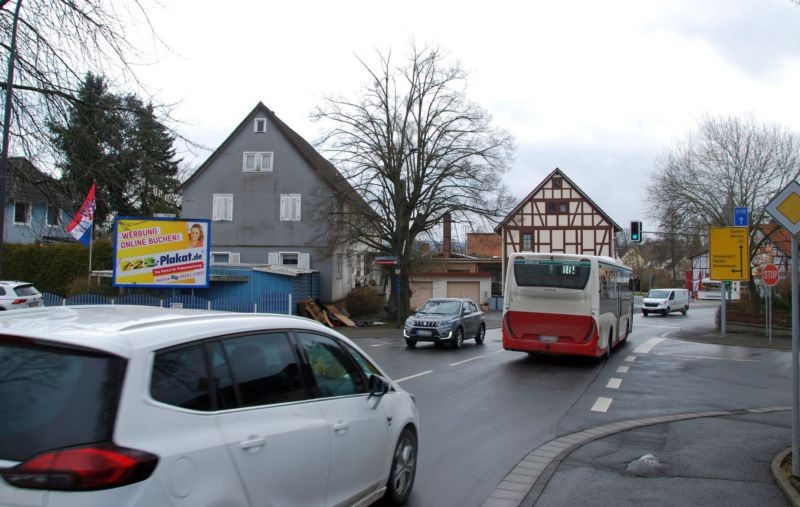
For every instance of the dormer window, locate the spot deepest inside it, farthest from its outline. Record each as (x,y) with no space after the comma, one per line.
(260,125)
(257,161)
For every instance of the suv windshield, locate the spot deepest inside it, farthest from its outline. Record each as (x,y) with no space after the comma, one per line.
(658,294)
(441,307)
(54,397)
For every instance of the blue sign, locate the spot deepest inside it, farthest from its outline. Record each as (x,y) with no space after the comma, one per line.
(740,217)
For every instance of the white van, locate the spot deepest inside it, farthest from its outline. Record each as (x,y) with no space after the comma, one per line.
(665,301)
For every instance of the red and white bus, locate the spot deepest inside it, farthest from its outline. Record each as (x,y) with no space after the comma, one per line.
(566,304)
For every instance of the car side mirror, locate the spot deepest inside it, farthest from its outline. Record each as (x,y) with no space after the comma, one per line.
(378,386)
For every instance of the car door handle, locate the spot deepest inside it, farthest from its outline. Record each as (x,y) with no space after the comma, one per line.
(340,427)
(253,443)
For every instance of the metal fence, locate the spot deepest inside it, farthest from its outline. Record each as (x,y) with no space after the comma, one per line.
(269,302)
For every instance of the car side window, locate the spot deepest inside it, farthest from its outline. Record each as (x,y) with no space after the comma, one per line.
(2,291)
(265,369)
(227,390)
(366,365)
(180,378)
(471,306)
(334,371)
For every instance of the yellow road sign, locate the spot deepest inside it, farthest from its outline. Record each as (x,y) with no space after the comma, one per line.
(728,253)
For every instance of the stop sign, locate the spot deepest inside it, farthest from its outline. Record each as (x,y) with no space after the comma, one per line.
(770,275)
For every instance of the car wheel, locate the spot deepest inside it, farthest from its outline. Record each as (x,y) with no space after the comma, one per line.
(610,343)
(664,312)
(645,313)
(685,310)
(458,338)
(404,468)
(411,343)
(481,335)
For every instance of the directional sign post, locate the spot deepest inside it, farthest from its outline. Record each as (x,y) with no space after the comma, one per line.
(785,208)
(729,258)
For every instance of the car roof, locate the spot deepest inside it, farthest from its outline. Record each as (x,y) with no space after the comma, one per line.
(14,282)
(123,329)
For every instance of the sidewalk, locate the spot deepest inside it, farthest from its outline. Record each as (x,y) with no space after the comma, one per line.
(706,458)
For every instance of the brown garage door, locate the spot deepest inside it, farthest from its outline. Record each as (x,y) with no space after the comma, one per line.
(470,290)
(420,292)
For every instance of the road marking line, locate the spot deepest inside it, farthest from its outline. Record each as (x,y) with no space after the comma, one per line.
(413,376)
(602,404)
(630,359)
(614,383)
(648,345)
(501,350)
(377,345)
(710,357)
(623,369)
(658,325)
(466,360)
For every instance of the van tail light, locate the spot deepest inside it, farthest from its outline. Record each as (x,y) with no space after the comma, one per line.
(18,301)
(87,468)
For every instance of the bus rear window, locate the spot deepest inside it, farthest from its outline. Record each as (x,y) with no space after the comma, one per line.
(54,397)
(561,275)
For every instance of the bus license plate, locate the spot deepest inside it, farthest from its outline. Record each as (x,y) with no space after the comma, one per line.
(424,332)
(548,338)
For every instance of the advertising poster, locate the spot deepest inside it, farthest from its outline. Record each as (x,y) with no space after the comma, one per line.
(161,252)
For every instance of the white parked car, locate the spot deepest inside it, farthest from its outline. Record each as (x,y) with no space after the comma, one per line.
(130,405)
(18,295)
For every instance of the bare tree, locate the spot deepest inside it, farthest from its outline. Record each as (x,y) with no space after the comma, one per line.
(415,148)
(725,162)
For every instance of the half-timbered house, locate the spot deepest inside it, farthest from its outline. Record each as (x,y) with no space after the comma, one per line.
(557,216)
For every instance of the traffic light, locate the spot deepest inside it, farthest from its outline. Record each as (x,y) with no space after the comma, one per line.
(636,231)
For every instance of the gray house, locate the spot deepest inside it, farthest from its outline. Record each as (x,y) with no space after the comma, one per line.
(274,200)
(35,206)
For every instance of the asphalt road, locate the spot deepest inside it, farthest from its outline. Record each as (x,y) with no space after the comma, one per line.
(483,409)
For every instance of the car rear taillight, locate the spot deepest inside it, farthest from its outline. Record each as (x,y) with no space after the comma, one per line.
(18,301)
(88,468)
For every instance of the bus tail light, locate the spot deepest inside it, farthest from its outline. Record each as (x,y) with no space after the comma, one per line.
(507,324)
(94,467)
(592,328)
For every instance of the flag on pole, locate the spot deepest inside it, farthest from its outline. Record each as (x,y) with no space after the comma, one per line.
(80,227)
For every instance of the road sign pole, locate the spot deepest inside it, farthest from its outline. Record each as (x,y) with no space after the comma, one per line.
(722,298)
(795,364)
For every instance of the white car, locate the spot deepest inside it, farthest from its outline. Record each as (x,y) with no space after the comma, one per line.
(18,295)
(142,406)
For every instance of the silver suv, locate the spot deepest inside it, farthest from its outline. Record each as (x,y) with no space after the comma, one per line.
(450,320)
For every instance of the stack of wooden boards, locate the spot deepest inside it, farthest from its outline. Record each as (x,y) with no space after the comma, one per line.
(328,314)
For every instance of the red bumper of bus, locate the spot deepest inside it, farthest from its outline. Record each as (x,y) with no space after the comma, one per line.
(550,333)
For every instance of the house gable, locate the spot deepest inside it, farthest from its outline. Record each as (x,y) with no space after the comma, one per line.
(557,216)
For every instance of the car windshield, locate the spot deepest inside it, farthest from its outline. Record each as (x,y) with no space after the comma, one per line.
(52,397)
(26,290)
(434,307)
(658,294)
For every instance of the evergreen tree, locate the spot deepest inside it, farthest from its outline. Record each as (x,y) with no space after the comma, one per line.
(117,142)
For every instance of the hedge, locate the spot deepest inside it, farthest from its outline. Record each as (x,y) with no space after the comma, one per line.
(54,267)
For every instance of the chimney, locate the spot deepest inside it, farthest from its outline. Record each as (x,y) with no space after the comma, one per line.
(446,236)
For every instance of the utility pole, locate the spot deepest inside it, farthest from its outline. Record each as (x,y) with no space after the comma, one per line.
(7,128)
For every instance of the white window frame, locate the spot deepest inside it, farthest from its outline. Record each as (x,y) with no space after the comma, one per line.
(290,207)
(53,211)
(27,213)
(263,122)
(222,208)
(284,255)
(262,161)
(214,261)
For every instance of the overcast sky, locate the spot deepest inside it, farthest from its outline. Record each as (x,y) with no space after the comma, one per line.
(598,89)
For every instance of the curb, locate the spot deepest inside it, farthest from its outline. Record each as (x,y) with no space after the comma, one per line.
(529,477)
(791,493)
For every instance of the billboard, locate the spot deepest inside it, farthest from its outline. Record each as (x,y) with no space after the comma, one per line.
(161,252)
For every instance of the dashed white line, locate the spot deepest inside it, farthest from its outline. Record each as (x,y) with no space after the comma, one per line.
(659,325)
(648,345)
(630,359)
(614,383)
(466,360)
(711,357)
(602,404)
(377,345)
(413,376)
